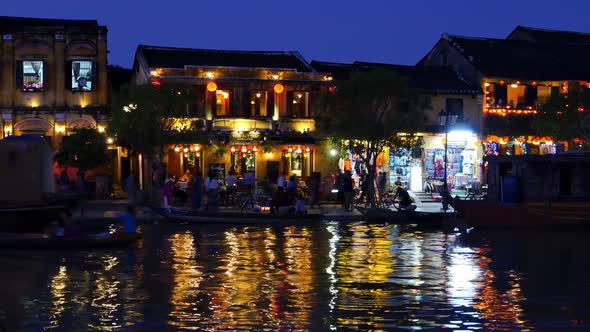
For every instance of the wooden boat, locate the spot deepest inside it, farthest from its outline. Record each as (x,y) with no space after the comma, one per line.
(532,191)
(41,241)
(404,217)
(235,217)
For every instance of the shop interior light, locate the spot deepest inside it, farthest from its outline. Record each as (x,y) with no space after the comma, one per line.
(460,135)
(333,152)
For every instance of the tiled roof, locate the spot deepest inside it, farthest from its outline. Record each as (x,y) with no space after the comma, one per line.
(16,24)
(549,36)
(520,59)
(171,57)
(432,79)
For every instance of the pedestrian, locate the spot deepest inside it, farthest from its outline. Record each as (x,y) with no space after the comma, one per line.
(167,193)
(316,182)
(131,188)
(282,180)
(212,188)
(347,189)
(197,190)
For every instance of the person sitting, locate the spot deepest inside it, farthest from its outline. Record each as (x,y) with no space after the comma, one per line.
(129,221)
(300,205)
(405,202)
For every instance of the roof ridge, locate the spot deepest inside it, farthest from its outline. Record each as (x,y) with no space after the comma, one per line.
(47,19)
(552,30)
(174,48)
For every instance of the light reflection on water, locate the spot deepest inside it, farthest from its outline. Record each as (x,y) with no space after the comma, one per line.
(324,277)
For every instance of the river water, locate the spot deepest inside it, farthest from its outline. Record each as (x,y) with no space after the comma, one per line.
(323,277)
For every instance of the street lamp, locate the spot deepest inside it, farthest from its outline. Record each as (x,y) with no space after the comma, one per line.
(446,119)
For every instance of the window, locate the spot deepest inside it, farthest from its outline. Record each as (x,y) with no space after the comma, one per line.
(258,103)
(455,106)
(32,75)
(222,103)
(82,73)
(297,104)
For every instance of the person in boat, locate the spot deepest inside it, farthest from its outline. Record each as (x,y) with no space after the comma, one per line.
(280,199)
(129,221)
(405,201)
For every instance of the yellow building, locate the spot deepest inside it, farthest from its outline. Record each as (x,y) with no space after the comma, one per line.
(53,76)
(256,109)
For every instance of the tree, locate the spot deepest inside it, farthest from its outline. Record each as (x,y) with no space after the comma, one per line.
(146,118)
(566,116)
(371,111)
(84,149)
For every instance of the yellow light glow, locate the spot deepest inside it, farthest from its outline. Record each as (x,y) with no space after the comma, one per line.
(252,102)
(197,148)
(258,94)
(209,74)
(60,129)
(486,84)
(154,73)
(269,155)
(185,150)
(211,86)
(100,129)
(110,140)
(177,149)
(514,85)
(279,88)
(275,77)
(34,104)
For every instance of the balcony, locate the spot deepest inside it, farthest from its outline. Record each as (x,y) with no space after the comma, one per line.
(241,124)
(504,111)
(297,125)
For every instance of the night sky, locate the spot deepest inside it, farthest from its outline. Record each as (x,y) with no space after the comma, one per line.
(389,31)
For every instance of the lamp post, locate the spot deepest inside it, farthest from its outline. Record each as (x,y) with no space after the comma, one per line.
(446,119)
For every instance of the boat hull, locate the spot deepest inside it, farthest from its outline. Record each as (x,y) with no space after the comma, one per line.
(36,241)
(532,214)
(237,218)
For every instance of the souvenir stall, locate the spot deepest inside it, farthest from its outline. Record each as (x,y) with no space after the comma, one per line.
(462,159)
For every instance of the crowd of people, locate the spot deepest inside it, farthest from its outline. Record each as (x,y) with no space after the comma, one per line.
(289,193)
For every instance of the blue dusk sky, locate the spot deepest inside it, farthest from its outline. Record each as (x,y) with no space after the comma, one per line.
(390,31)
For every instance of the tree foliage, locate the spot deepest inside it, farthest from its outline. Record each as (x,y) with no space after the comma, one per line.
(371,111)
(565,116)
(144,118)
(85,149)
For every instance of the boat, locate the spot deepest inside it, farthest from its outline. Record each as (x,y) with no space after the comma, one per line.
(42,241)
(404,217)
(192,217)
(532,191)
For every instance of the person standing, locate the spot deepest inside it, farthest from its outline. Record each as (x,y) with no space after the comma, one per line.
(212,187)
(282,180)
(196,190)
(167,193)
(347,189)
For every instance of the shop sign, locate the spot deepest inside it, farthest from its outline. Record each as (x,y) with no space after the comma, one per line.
(245,136)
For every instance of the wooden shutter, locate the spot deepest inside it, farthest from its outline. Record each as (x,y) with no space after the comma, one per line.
(44,76)
(94,75)
(68,75)
(19,75)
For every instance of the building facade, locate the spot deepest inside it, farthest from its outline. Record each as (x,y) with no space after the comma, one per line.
(518,75)
(53,76)
(415,167)
(255,109)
